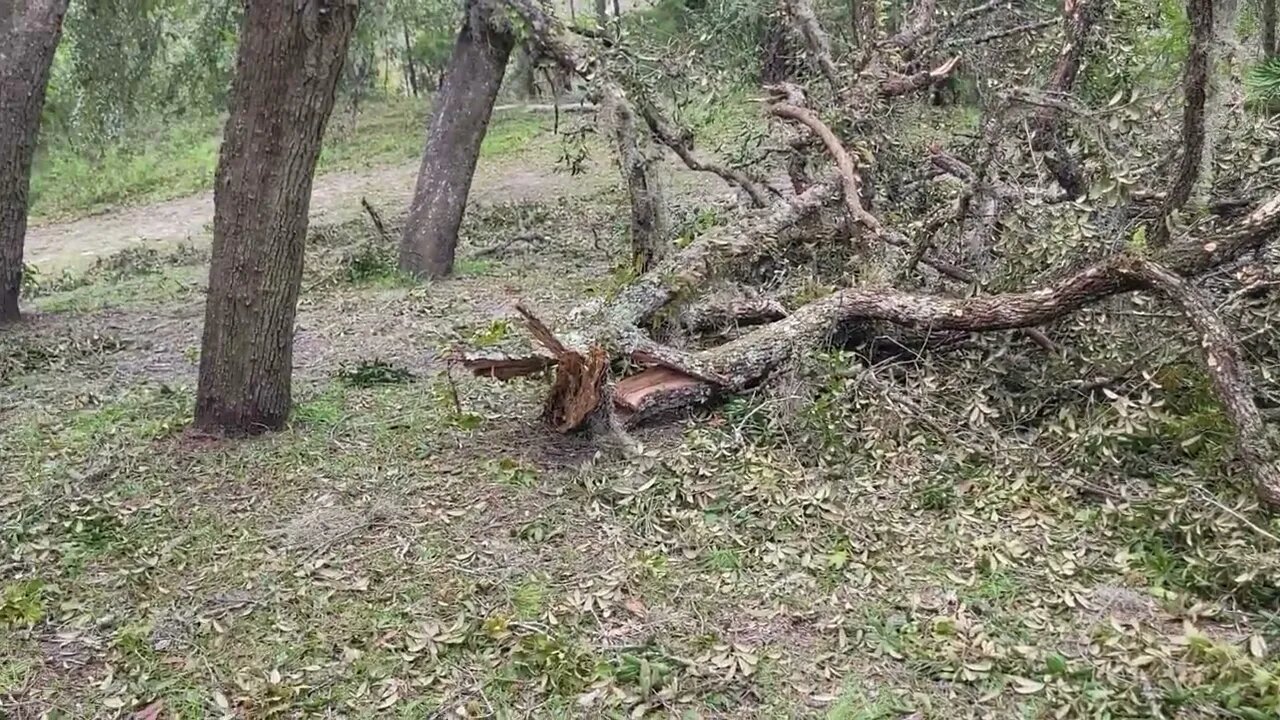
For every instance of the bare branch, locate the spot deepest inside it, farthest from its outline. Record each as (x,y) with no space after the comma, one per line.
(815,38)
(1002,33)
(681,143)
(905,84)
(850,180)
(1081,16)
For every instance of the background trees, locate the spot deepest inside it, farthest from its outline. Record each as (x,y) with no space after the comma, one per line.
(459,119)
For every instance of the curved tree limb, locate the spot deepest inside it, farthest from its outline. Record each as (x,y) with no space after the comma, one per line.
(680,142)
(850,179)
(1224,361)
(750,359)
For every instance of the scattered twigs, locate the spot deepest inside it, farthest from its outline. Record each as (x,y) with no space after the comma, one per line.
(530,238)
(897,85)
(1001,33)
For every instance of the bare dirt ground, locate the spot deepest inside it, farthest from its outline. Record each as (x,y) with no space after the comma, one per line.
(335,198)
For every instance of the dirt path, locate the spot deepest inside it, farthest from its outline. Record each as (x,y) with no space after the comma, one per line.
(335,197)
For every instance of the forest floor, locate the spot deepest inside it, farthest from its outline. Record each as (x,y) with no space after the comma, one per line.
(416,544)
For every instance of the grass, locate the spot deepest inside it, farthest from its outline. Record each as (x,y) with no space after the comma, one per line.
(415,543)
(179,157)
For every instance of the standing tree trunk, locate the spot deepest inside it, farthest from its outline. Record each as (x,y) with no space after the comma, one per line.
(650,226)
(1195,89)
(1222,93)
(855,22)
(526,71)
(1268,20)
(458,125)
(28,38)
(411,68)
(287,70)
(602,12)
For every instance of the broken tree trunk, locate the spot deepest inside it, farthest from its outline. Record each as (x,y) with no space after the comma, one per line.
(458,123)
(748,360)
(679,384)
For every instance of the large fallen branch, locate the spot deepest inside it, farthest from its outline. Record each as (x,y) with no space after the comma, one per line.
(749,360)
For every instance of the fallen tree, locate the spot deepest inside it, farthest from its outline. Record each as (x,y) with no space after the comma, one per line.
(612,369)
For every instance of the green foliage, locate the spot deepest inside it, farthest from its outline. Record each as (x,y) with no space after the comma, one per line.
(1263,82)
(372,261)
(167,159)
(123,265)
(1144,45)
(22,604)
(371,373)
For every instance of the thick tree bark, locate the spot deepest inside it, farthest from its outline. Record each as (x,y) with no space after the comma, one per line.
(1225,364)
(602,12)
(287,70)
(775,53)
(28,38)
(458,124)
(1222,93)
(526,69)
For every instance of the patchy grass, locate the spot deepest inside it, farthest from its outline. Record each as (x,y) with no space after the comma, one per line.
(410,548)
(179,158)
(175,159)
(185,282)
